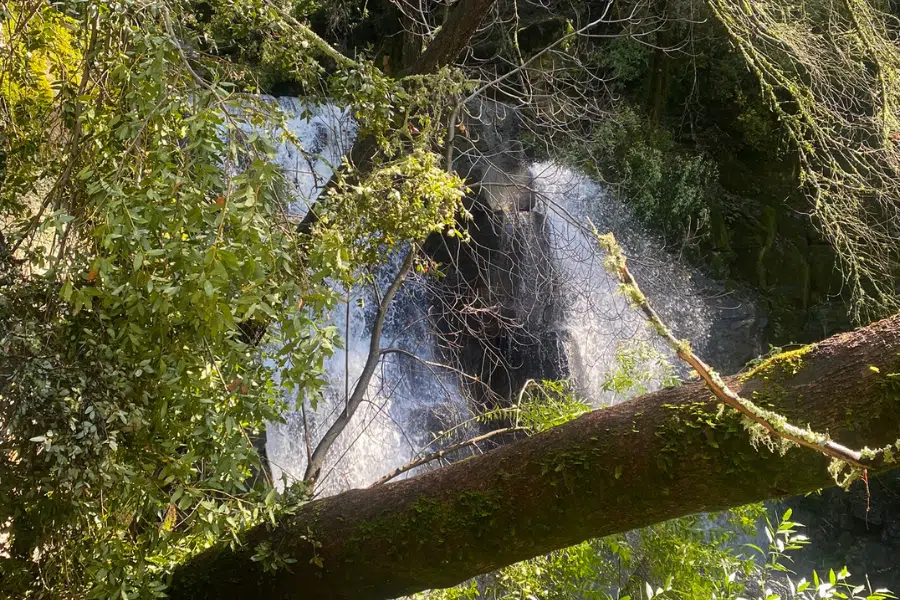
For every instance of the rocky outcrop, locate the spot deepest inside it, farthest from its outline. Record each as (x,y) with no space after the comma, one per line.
(496,304)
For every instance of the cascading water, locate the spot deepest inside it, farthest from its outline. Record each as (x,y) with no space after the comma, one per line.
(407,398)
(326,134)
(410,398)
(405,401)
(597,322)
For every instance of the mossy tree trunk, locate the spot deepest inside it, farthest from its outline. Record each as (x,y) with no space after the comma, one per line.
(656,457)
(453,38)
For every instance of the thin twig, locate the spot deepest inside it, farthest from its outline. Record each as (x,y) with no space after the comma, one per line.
(431,363)
(347,351)
(537,55)
(306,437)
(444,451)
(167,21)
(451,135)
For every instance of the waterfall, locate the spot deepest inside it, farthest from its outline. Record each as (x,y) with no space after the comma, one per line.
(412,398)
(326,134)
(407,399)
(597,321)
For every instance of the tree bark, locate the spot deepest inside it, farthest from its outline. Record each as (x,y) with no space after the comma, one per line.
(653,458)
(454,36)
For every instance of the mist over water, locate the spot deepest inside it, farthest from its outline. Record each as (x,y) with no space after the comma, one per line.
(597,320)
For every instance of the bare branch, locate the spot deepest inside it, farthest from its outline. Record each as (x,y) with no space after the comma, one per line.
(773,423)
(318,456)
(443,452)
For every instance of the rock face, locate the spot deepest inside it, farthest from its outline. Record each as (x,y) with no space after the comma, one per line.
(496,306)
(765,238)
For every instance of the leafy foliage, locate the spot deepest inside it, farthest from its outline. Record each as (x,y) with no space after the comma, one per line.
(540,406)
(639,368)
(406,200)
(42,50)
(130,392)
(694,557)
(156,302)
(669,189)
(783,539)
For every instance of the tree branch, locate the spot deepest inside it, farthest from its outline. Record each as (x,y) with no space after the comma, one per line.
(771,422)
(317,459)
(314,40)
(453,37)
(443,452)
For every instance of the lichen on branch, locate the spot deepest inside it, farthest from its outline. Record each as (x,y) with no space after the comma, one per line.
(764,426)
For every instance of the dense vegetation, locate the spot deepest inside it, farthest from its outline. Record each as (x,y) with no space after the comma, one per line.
(160,300)
(733,164)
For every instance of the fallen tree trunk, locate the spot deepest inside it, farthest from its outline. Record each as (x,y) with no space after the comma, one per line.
(653,458)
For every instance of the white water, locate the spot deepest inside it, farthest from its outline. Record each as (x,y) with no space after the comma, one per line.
(407,401)
(598,321)
(326,134)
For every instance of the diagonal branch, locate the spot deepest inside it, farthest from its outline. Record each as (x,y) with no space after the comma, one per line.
(774,424)
(312,38)
(443,452)
(450,41)
(317,459)
(453,37)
